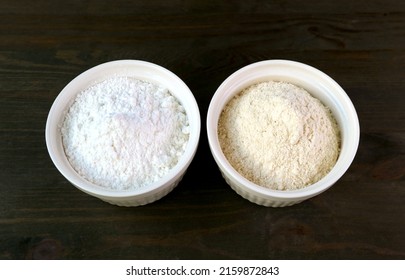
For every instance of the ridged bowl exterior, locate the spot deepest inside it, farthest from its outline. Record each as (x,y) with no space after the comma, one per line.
(320,86)
(133,68)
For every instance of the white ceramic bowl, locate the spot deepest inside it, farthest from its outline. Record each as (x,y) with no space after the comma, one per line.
(320,86)
(141,70)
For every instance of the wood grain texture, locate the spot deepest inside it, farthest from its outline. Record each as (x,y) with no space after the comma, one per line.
(45,44)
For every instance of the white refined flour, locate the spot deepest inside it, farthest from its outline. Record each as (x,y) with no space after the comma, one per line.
(278,136)
(124,133)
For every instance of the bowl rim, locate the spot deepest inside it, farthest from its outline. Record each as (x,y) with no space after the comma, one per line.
(228,89)
(98,73)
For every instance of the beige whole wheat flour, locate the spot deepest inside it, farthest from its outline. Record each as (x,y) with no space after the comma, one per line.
(278,136)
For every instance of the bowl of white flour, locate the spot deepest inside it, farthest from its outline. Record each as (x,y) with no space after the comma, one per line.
(281,132)
(124,131)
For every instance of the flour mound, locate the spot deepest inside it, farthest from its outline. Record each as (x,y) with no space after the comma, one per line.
(124,133)
(278,136)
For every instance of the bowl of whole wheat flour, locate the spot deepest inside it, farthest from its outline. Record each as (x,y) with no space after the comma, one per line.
(281,132)
(124,131)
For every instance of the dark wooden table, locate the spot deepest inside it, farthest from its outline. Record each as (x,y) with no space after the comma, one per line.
(45,44)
